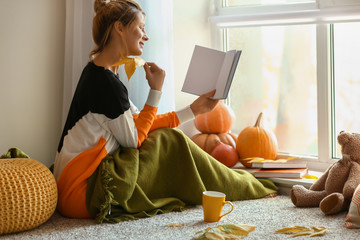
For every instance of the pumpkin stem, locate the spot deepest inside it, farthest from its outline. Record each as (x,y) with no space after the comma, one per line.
(258,121)
(216,141)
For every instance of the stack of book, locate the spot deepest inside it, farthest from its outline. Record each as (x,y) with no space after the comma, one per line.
(294,168)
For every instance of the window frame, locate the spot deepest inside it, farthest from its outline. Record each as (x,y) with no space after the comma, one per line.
(322,13)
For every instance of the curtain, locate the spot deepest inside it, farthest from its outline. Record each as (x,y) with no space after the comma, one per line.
(78,44)
(159,49)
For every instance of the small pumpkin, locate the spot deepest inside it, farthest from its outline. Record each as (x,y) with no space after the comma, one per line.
(219,120)
(208,141)
(225,154)
(256,141)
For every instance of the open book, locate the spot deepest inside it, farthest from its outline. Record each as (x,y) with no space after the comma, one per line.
(211,69)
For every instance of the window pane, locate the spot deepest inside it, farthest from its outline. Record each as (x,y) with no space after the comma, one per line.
(276,75)
(232,3)
(347,78)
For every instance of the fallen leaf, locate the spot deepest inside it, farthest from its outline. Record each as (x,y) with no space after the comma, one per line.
(240,230)
(280,160)
(318,229)
(308,176)
(213,236)
(303,231)
(291,230)
(174,225)
(255,159)
(225,231)
(320,233)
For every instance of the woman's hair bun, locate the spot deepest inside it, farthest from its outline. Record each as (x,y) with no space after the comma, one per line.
(98,5)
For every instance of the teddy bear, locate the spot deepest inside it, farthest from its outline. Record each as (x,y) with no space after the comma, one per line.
(333,191)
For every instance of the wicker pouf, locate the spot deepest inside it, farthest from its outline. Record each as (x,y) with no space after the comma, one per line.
(28,194)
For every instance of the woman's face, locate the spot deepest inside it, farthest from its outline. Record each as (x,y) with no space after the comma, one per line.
(136,36)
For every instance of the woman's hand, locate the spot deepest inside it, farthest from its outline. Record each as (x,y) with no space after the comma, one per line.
(154,75)
(204,104)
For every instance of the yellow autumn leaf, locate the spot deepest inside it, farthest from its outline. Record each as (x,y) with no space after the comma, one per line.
(139,62)
(250,158)
(174,225)
(318,229)
(320,233)
(213,236)
(254,159)
(203,231)
(130,65)
(209,233)
(308,176)
(291,230)
(280,160)
(240,230)
(225,231)
(303,231)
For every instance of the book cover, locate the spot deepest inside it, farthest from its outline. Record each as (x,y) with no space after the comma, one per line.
(280,173)
(211,69)
(294,163)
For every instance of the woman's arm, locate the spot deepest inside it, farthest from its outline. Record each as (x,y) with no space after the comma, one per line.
(171,119)
(143,122)
(145,119)
(204,103)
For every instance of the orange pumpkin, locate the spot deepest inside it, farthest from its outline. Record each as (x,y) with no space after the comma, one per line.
(208,141)
(219,120)
(256,141)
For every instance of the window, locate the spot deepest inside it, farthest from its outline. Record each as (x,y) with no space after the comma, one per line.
(277,76)
(346,78)
(299,67)
(231,3)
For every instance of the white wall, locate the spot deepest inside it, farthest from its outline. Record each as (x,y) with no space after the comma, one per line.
(31,76)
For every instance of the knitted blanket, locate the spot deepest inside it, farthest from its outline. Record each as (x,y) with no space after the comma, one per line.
(167,173)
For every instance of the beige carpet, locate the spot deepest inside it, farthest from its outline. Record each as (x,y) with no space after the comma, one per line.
(267,215)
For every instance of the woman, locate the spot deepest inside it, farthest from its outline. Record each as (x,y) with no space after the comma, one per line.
(101,116)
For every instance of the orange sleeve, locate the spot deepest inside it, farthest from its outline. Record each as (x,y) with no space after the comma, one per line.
(143,120)
(165,120)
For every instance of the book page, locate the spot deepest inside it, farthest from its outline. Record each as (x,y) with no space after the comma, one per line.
(232,73)
(224,75)
(203,71)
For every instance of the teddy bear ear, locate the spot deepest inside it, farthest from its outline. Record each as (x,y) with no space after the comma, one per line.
(343,137)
